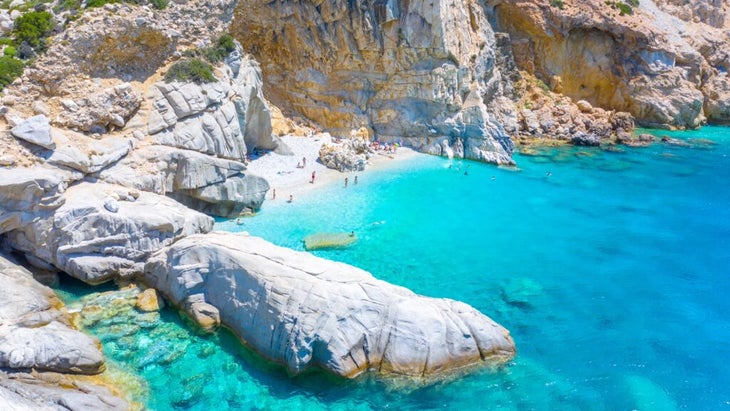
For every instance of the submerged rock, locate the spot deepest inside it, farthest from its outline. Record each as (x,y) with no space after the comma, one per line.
(304,311)
(319,241)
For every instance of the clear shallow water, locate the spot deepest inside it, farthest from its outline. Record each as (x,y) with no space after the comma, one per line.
(611,274)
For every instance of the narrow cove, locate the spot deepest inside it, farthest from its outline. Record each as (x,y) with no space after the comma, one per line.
(607,267)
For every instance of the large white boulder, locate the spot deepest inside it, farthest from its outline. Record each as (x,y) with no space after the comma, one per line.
(89,241)
(34,334)
(304,311)
(35,130)
(205,183)
(26,193)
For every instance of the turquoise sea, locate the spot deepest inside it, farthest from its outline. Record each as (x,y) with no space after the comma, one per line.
(609,267)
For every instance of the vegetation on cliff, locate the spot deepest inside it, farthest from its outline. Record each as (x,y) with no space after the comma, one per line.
(194,68)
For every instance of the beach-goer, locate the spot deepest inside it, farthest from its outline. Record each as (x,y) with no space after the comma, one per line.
(345,182)
(313,175)
(239,221)
(291,198)
(273,194)
(355,180)
(304,162)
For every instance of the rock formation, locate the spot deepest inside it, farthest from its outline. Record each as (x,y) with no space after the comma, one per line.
(348,155)
(423,73)
(103,174)
(35,334)
(646,62)
(304,311)
(103,231)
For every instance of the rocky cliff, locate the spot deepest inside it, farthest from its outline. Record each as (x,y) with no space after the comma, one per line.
(441,75)
(665,62)
(424,73)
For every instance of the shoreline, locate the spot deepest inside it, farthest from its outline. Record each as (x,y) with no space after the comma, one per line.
(287,179)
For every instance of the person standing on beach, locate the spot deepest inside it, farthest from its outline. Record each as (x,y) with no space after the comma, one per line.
(273,194)
(313,175)
(304,162)
(345,182)
(355,180)
(291,198)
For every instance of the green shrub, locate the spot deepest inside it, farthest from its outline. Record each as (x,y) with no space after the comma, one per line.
(226,43)
(32,27)
(159,4)
(624,8)
(557,3)
(190,70)
(10,69)
(90,4)
(67,5)
(223,46)
(6,41)
(10,51)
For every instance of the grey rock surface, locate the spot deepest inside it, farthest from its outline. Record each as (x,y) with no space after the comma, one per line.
(26,193)
(350,155)
(89,242)
(227,118)
(53,392)
(87,155)
(208,184)
(304,311)
(35,130)
(34,334)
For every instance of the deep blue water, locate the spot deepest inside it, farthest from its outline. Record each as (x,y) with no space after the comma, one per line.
(610,273)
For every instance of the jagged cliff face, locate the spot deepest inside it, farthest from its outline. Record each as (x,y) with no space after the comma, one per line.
(662,69)
(421,72)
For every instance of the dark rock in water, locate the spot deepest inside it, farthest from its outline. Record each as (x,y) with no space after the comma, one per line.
(674,141)
(585,139)
(521,292)
(642,140)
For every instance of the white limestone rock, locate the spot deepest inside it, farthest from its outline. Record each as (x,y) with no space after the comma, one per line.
(350,155)
(90,242)
(88,155)
(34,334)
(42,392)
(205,183)
(35,130)
(26,193)
(304,311)
(226,118)
(99,112)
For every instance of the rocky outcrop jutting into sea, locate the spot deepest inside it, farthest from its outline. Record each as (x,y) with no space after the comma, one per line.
(305,311)
(35,334)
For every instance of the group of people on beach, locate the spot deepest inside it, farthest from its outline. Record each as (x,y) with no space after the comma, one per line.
(387,148)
